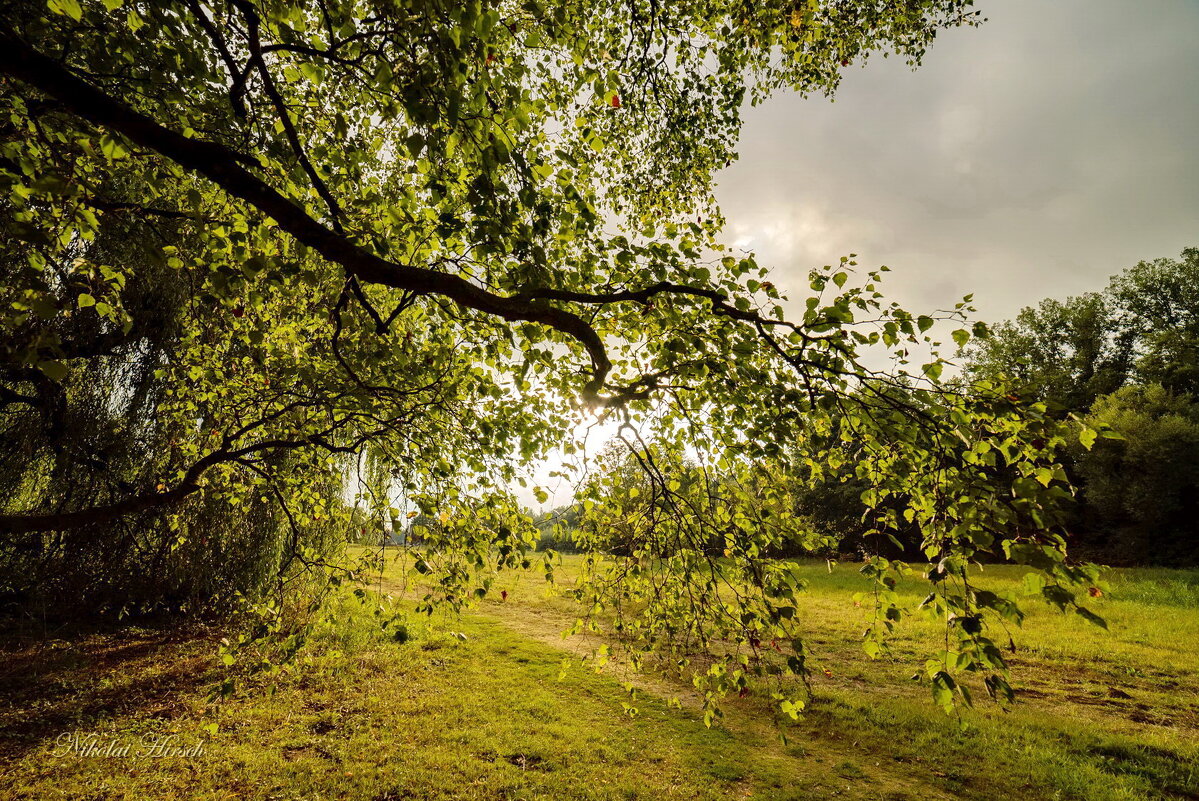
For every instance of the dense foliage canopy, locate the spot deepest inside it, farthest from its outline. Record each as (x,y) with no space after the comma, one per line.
(263,254)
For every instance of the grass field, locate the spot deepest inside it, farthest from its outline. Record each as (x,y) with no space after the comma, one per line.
(1101,714)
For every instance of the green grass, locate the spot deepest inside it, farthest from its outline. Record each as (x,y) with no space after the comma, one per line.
(1102,715)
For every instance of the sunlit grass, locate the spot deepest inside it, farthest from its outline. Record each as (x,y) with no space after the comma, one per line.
(491,714)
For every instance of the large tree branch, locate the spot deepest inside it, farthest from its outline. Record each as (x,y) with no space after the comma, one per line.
(60,521)
(719,300)
(224,167)
(189,484)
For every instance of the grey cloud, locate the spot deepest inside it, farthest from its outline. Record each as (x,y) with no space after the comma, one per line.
(1031,157)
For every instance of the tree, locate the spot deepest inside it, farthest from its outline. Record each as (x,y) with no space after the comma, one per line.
(438,233)
(1066,353)
(1158,303)
(1141,491)
(1143,328)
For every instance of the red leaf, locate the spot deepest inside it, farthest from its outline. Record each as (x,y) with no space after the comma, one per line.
(615,101)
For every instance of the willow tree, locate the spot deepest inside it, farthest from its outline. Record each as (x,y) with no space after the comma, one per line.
(247,243)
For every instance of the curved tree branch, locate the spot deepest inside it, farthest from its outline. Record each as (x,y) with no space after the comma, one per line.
(59,521)
(189,484)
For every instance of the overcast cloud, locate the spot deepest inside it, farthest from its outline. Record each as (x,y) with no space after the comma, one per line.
(1031,157)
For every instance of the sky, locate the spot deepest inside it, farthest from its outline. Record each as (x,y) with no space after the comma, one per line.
(1031,157)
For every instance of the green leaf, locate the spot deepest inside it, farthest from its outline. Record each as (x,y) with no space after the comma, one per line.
(1086,437)
(69,8)
(112,148)
(943,686)
(52,369)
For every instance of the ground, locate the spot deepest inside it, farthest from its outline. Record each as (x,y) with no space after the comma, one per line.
(481,707)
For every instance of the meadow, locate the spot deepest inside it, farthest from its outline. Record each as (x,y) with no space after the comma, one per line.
(480,706)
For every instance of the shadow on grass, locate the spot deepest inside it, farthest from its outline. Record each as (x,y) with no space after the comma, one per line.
(80,678)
